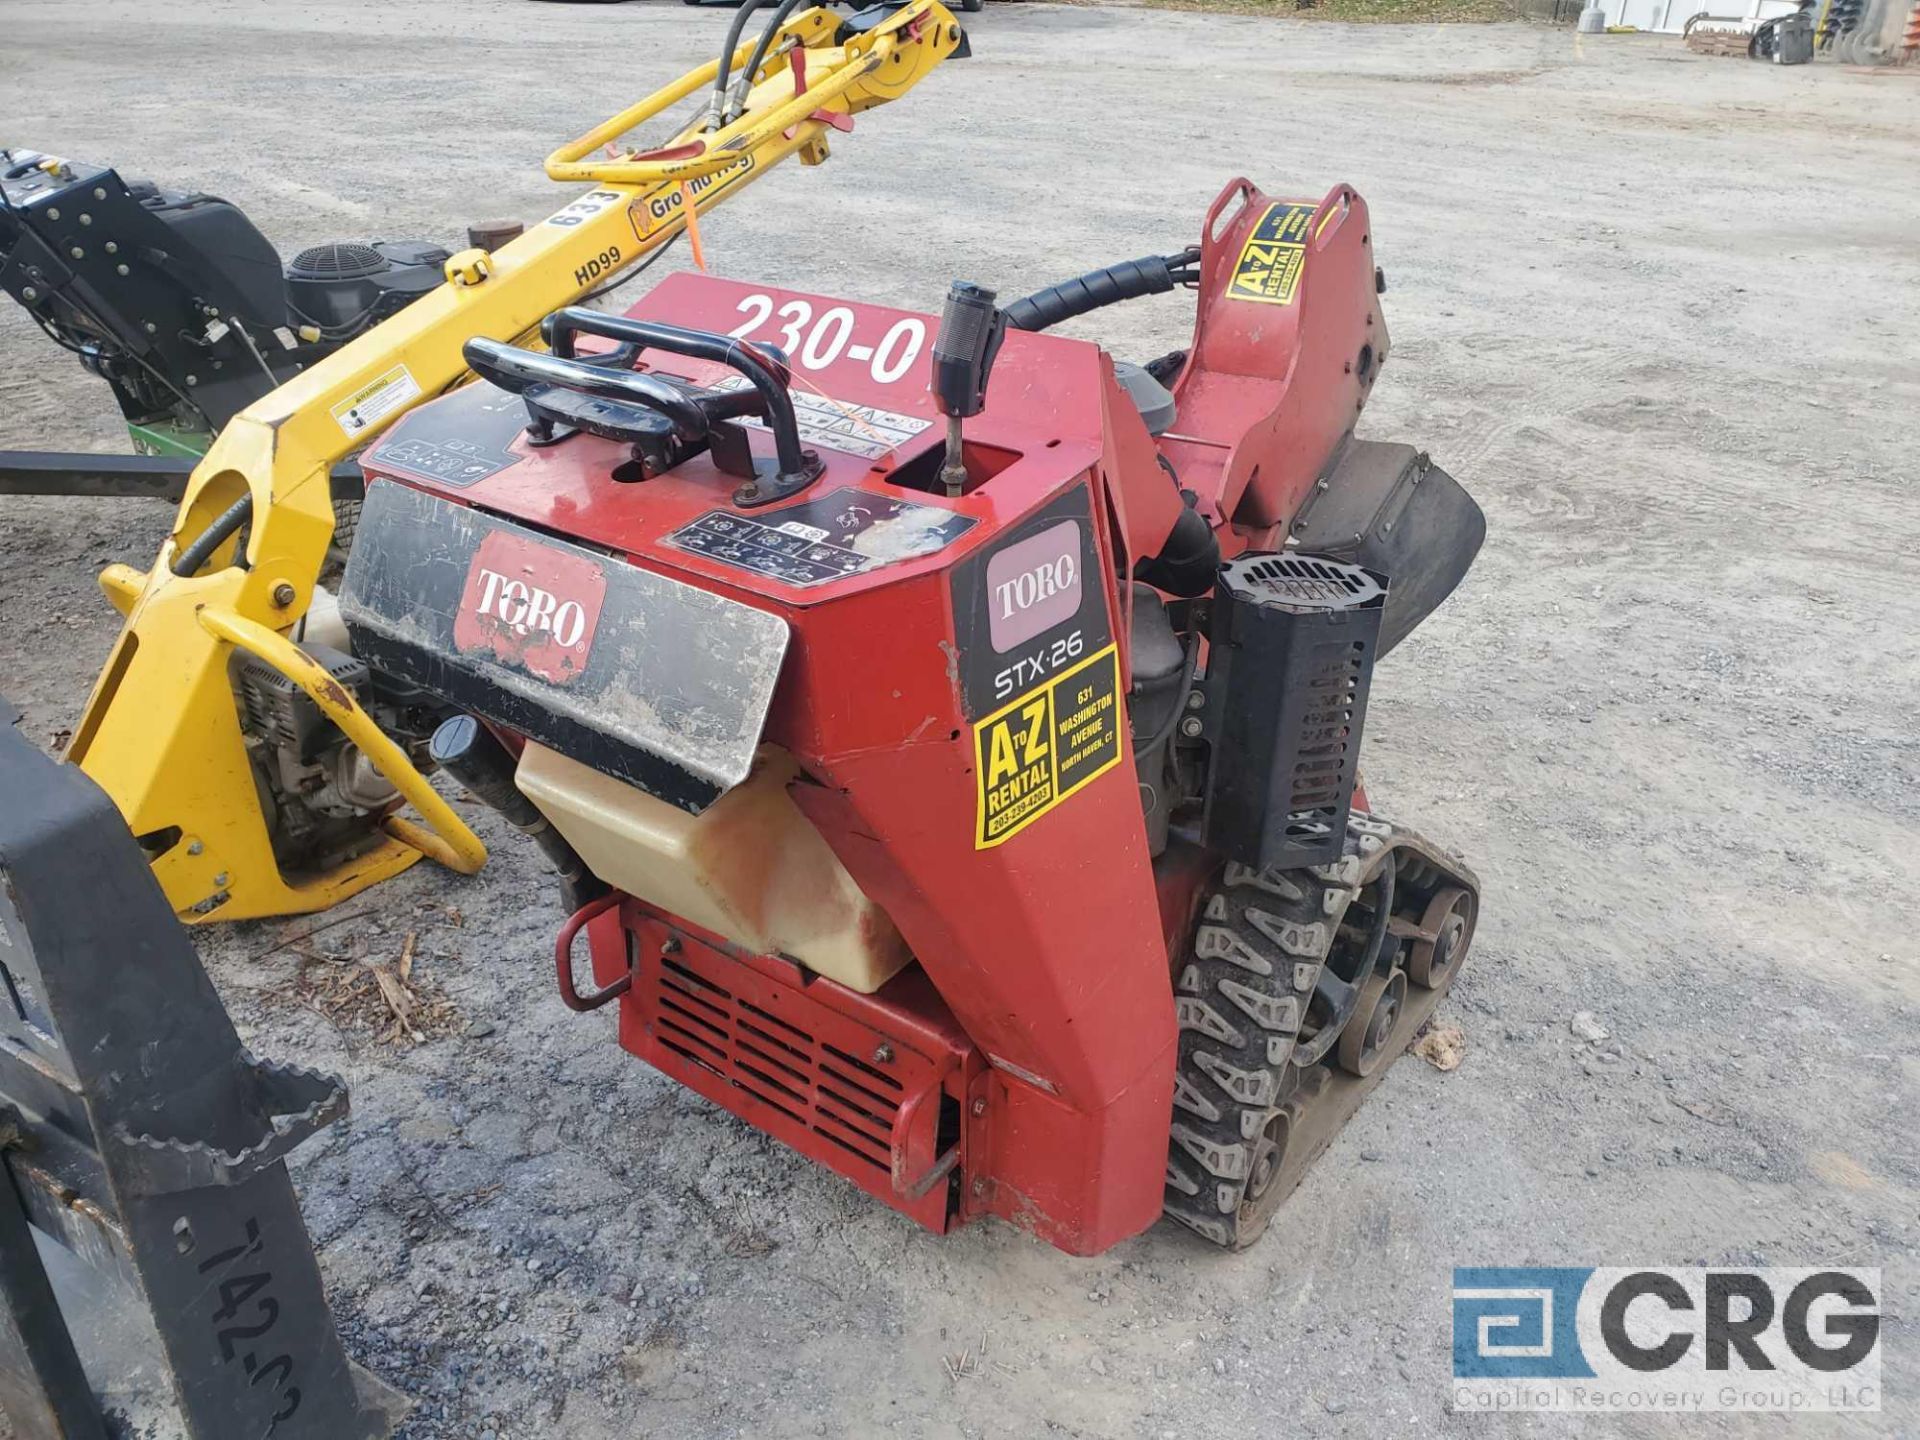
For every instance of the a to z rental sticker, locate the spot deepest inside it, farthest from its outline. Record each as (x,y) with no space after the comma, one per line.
(375,401)
(1270,263)
(1038,668)
(1037,752)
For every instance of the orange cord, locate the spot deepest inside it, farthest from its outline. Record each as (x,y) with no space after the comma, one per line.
(692,212)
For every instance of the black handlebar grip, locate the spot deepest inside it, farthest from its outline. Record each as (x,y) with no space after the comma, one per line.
(971,330)
(1128,280)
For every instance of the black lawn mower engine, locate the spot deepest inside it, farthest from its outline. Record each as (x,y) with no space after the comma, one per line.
(177,300)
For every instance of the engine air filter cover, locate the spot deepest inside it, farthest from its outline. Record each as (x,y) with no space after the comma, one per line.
(341,260)
(1303,582)
(1291,652)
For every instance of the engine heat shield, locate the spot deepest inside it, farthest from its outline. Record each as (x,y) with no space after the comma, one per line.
(1290,660)
(655,682)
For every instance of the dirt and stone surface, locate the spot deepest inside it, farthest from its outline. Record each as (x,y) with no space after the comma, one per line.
(1658,312)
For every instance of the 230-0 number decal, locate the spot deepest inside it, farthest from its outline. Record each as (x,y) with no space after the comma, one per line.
(817,343)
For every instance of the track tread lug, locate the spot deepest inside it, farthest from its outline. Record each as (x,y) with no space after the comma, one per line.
(1277,1013)
(1196,1014)
(1295,937)
(1187,1096)
(1274,882)
(1256,1088)
(1217,942)
(1226,1161)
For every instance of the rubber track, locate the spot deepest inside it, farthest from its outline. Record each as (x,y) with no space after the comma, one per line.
(1240,998)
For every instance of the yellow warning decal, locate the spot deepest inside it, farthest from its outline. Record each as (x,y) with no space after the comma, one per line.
(1270,263)
(1039,750)
(375,401)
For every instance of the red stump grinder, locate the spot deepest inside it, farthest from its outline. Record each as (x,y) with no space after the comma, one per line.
(948,735)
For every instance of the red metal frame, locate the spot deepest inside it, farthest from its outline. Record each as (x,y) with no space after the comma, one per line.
(1031,1048)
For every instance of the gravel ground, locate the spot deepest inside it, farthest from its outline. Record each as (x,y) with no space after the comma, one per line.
(1658,312)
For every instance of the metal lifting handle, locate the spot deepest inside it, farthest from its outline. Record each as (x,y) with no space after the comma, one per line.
(765,366)
(514,370)
(570,995)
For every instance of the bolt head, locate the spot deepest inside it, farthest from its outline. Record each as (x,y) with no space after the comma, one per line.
(979,1108)
(151,327)
(120,270)
(283,594)
(1191,726)
(53,214)
(30,293)
(99,192)
(113,247)
(193,379)
(883,1054)
(194,847)
(85,219)
(77,253)
(221,880)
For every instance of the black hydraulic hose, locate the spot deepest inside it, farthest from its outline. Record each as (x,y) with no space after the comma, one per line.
(196,554)
(735,29)
(1129,280)
(1189,558)
(772,28)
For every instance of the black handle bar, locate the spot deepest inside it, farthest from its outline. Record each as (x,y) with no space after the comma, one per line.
(513,370)
(763,365)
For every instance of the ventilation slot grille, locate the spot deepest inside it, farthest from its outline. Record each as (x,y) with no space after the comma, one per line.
(843,1100)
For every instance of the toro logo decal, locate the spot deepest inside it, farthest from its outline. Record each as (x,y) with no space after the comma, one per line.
(1034,585)
(531,606)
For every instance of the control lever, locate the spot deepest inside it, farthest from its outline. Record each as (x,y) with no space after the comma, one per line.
(971,330)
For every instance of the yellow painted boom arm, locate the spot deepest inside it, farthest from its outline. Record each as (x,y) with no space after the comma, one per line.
(161,732)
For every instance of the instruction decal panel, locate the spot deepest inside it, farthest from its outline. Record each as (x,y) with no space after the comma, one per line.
(864,430)
(457,442)
(842,533)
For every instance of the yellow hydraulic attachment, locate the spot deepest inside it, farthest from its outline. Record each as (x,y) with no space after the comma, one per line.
(162,731)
